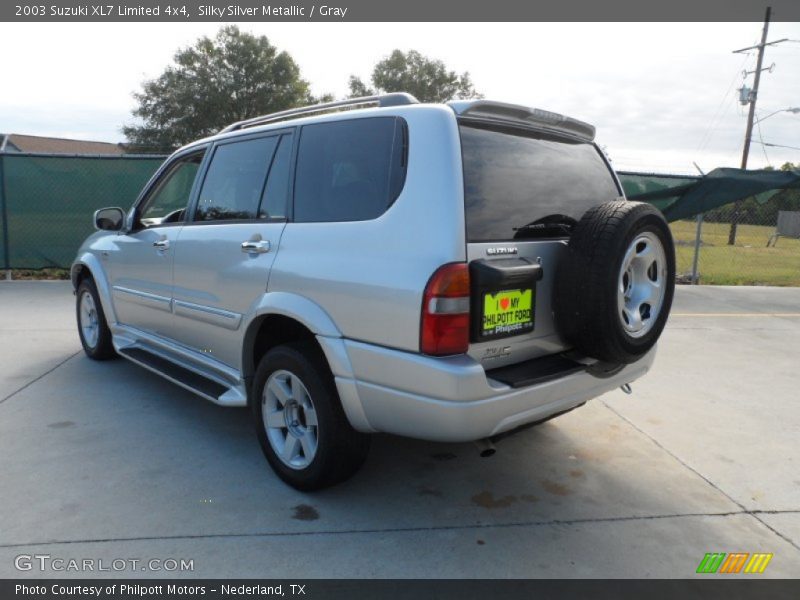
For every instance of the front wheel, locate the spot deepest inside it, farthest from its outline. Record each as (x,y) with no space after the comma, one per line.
(300,423)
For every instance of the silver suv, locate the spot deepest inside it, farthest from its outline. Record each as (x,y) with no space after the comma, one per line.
(446,272)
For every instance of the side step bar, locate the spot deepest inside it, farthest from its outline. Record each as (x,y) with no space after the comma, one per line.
(185,378)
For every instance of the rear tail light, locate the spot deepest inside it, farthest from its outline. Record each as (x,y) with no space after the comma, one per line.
(444,327)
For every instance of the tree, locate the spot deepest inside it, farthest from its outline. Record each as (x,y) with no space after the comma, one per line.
(427,79)
(788,199)
(215,82)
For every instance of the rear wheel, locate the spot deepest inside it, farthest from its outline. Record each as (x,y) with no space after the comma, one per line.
(93,330)
(299,420)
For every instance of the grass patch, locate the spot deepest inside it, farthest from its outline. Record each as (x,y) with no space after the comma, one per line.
(33,274)
(749,262)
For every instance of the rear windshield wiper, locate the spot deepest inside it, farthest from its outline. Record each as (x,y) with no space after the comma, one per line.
(549,226)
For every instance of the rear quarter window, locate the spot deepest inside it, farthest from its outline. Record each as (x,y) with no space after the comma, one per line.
(515,177)
(350,170)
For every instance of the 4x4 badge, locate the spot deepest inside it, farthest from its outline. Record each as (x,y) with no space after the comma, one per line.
(501,250)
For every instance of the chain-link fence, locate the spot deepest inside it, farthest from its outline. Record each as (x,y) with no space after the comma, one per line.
(743,243)
(751,241)
(47,202)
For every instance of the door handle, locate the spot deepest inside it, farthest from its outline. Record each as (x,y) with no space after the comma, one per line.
(161,244)
(253,247)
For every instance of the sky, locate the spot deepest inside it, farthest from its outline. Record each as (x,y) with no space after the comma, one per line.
(662,95)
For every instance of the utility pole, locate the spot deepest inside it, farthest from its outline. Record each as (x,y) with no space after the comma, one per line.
(750,118)
(751,115)
(753,96)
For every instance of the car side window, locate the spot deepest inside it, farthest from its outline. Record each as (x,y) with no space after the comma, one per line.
(234,182)
(166,203)
(274,199)
(350,170)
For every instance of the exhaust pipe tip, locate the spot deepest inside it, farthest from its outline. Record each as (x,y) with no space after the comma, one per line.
(485,448)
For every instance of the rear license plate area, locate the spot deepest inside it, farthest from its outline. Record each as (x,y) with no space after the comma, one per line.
(503,297)
(507,312)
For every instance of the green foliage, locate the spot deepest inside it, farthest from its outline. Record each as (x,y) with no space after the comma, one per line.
(213,83)
(358,88)
(427,79)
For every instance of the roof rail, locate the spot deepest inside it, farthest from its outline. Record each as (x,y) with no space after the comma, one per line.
(394,99)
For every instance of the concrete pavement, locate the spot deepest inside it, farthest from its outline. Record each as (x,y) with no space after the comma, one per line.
(105,460)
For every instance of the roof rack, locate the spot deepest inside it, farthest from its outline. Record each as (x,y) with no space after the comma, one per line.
(394,99)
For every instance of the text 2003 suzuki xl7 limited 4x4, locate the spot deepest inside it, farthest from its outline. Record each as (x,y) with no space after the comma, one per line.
(448,272)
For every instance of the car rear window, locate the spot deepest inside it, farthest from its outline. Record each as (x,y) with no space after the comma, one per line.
(350,170)
(514,178)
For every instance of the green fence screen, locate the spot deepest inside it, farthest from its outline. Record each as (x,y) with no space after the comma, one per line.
(683,197)
(48,202)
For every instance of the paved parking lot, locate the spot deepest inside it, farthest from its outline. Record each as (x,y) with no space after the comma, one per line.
(105,460)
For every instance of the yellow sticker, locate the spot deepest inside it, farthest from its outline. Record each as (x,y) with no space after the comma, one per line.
(507,312)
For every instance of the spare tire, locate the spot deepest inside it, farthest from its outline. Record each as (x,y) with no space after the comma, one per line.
(614,288)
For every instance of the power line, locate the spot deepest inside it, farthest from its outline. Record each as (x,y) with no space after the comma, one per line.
(778,146)
(717,118)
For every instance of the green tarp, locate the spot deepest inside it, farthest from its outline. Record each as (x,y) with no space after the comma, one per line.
(680,197)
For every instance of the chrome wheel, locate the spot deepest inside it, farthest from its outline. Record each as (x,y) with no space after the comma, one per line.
(290,419)
(90,326)
(642,284)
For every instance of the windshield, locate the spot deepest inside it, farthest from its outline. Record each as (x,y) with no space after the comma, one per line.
(525,185)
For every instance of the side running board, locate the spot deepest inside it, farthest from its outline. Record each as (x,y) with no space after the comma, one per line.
(186,378)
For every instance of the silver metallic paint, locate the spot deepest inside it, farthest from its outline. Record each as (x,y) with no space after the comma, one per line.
(356,286)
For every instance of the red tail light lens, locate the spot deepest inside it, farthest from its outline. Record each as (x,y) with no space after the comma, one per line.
(445,311)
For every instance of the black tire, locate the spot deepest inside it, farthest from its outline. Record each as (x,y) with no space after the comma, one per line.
(588,281)
(340,449)
(102,348)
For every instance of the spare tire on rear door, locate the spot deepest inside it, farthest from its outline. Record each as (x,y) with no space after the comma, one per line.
(614,289)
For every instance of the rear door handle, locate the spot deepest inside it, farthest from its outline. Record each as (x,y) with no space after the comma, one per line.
(251,247)
(161,244)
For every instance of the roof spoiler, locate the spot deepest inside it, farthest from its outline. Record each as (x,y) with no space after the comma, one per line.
(522,115)
(395,99)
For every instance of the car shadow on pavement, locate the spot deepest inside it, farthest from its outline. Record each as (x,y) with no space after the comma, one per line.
(122,454)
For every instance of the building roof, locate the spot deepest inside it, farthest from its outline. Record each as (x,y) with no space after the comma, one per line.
(16,142)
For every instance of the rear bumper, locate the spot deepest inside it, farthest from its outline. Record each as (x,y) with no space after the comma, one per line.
(451,399)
